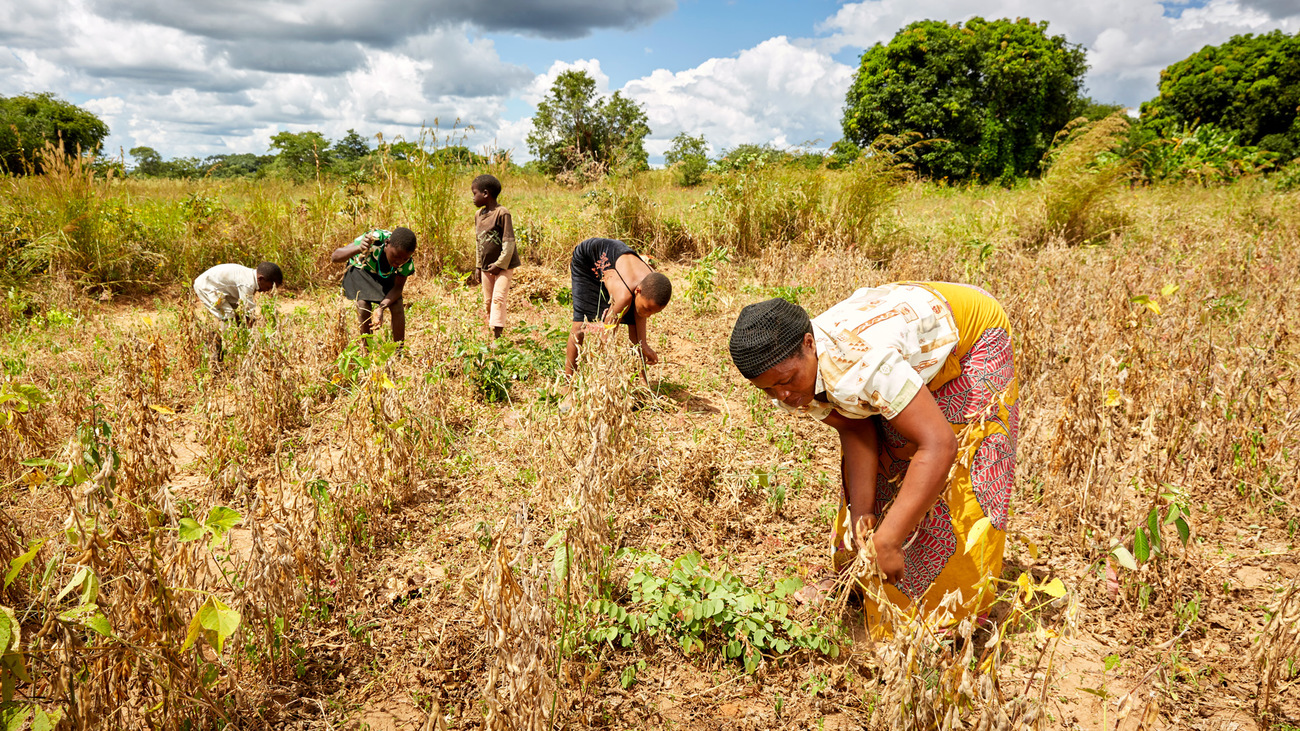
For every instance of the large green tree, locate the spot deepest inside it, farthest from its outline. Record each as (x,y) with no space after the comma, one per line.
(987,95)
(689,158)
(148,163)
(28,121)
(574,125)
(300,153)
(1249,86)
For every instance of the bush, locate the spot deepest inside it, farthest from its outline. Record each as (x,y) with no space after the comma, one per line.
(688,158)
(1203,154)
(1079,187)
(700,609)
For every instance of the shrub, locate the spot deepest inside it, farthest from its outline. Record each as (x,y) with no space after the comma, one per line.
(1078,190)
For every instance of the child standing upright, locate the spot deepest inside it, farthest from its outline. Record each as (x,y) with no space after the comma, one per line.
(378,264)
(495,251)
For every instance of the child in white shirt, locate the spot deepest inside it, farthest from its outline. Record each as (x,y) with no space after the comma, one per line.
(227,290)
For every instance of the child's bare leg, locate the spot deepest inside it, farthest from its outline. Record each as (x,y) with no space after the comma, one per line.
(363,316)
(397,311)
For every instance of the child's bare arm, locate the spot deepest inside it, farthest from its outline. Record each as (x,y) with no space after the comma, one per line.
(395,293)
(638,331)
(343,253)
(620,297)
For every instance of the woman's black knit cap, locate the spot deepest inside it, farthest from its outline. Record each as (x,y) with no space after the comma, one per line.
(767,333)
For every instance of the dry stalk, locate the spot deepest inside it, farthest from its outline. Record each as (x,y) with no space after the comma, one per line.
(520,693)
(285,556)
(602,430)
(1277,649)
(142,436)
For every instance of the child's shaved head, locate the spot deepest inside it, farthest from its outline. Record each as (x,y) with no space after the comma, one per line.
(402,239)
(271,273)
(488,184)
(657,288)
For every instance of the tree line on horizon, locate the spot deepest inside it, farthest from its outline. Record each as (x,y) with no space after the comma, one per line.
(980,101)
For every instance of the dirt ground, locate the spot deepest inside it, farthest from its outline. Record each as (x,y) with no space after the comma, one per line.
(405,649)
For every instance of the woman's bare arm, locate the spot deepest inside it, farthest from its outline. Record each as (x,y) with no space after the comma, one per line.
(861,462)
(922,423)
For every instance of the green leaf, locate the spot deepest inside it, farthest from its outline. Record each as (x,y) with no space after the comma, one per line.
(17,564)
(90,587)
(77,580)
(1153,528)
(1184,531)
(628,677)
(90,616)
(751,661)
(17,668)
(1141,546)
(786,587)
(1172,515)
(560,562)
(221,519)
(189,530)
(46,721)
(6,629)
(215,622)
(1125,558)
(14,716)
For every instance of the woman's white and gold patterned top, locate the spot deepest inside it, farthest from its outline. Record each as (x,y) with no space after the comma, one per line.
(876,349)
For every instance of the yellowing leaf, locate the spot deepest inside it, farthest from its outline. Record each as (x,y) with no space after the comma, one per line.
(1112,397)
(1169,290)
(34,478)
(385,381)
(1030,546)
(977,532)
(1054,588)
(1153,306)
(1125,558)
(161,409)
(17,564)
(215,622)
(1026,587)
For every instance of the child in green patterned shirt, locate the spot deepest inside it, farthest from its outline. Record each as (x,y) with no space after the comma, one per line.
(379,262)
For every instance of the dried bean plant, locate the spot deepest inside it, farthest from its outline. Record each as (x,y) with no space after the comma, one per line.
(1277,649)
(515,611)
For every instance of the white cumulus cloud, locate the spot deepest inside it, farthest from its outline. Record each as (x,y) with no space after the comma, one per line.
(777,92)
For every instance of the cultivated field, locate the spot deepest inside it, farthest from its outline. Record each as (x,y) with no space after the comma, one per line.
(308,535)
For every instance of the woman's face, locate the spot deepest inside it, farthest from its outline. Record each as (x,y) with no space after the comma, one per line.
(793,381)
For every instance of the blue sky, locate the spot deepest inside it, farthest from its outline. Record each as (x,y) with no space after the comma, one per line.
(695,32)
(202,77)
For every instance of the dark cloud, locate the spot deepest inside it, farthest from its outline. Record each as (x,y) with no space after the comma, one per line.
(290,57)
(29,24)
(385,22)
(469,85)
(1276,9)
(165,78)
